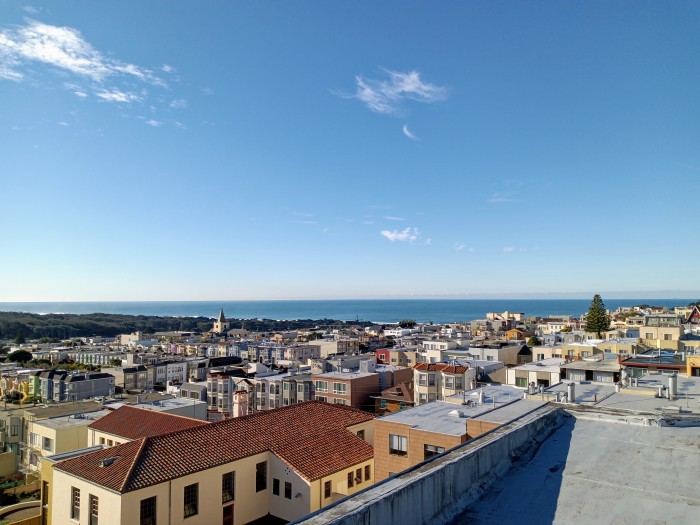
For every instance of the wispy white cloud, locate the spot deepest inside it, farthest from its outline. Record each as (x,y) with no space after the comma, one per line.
(499,198)
(208,91)
(508,249)
(407,235)
(387,95)
(167,68)
(154,123)
(408,132)
(30,9)
(393,218)
(63,123)
(118,96)
(179,103)
(458,246)
(302,214)
(65,49)
(306,222)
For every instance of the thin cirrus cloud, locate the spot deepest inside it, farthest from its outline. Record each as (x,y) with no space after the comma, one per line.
(408,132)
(393,218)
(458,246)
(64,49)
(388,95)
(500,198)
(406,235)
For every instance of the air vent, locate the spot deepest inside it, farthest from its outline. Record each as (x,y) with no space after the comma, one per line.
(108,461)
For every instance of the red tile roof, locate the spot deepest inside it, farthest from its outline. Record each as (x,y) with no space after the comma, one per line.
(311,437)
(437,367)
(134,423)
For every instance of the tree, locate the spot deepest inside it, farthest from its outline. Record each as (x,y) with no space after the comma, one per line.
(597,320)
(21,338)
(534,341)
(20,356)
(407,323)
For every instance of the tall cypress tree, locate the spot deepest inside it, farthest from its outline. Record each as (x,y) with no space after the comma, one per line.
(597,320)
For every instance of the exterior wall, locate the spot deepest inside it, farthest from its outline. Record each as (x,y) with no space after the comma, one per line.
(477,427)
(96,437)
(110,504)
(367,427)
(339,485)
(386,464)
(693,365)
(280,506)
(8,463)
(62,440)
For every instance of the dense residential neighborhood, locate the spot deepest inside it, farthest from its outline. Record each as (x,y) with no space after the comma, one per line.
(234,426)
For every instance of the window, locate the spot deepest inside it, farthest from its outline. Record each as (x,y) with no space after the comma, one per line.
(398,445)
(261,476)
(275,486)
(322,398)
(75,503)
(339,388)
(327,489)
(33,439)
(667,337)
(521,382)
(431,450)
(94,507)
(191,500)
(450,382)
(102,441)
(148,511)
(351,480)
(14,430)
(368,472)
(339,401)
(228,487)
(422,379)
(361,434)
(648,335)
(431,379)
(459,385)
(358,475)
(287,490)
(322,386)
(46,444)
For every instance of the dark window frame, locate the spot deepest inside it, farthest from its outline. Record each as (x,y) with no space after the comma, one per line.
(191,500)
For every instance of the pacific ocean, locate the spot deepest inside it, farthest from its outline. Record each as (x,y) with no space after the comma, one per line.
(375,310)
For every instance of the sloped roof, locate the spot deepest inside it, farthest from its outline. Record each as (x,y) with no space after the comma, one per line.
(134,423)
(311,437)
(438,367)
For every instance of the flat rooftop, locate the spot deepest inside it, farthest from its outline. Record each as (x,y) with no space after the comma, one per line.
(604,365)
(76,420)
(344,375)
(435,416)
(598,472)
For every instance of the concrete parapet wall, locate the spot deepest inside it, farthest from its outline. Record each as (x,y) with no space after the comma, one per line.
(442,488)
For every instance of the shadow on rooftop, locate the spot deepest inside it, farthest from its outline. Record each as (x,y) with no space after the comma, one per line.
(528,493)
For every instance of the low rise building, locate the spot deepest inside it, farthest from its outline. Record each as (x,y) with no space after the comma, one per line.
(542,373)
(233,472)
(433,382)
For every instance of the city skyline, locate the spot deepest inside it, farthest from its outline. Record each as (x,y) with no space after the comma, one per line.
(331,151)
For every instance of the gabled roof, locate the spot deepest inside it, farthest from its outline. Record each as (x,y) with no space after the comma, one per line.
(439,367)
(134,423)
(311,437)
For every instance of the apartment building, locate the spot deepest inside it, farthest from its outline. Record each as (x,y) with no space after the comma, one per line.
(232,472)
(278,390)
(437,381)
(354,389)
(58,385)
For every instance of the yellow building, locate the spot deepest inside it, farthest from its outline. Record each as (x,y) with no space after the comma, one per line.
(693,363)
(283,463)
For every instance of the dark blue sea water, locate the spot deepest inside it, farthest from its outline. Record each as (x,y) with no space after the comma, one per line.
(421,310)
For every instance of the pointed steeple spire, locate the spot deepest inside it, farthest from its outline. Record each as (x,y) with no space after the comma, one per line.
(221,318)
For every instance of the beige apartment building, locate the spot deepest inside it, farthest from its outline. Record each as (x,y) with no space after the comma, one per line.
(435,382)
(280,465)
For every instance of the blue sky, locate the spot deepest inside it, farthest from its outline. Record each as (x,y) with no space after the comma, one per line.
(316,149)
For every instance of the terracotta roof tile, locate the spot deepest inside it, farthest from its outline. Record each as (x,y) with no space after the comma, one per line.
(134,423)
(311,437)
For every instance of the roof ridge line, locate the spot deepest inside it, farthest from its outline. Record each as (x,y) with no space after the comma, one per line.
(137,457)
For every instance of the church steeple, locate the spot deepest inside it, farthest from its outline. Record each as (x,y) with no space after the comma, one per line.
(221,318)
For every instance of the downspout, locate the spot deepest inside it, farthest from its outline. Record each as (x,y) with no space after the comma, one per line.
(170,503)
